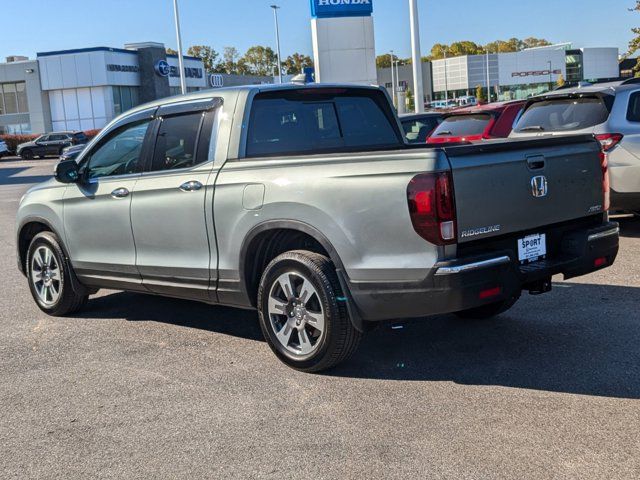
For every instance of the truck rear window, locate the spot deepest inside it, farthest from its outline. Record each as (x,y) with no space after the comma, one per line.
(287,123)
(463,125)
(563,114)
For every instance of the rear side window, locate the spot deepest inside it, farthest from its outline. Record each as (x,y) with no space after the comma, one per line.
(463,125)
(176,142)
(563,114)
(633,112)
(292,123)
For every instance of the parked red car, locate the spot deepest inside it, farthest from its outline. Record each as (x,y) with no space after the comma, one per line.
(480,122)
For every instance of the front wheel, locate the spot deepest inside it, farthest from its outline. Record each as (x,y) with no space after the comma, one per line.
(26,155)
(50,277)
(488,311)
(302,313)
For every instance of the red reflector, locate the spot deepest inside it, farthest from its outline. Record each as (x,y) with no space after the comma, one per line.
(490,292)
(599,262)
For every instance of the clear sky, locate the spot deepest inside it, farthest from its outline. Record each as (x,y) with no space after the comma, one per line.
(30,26)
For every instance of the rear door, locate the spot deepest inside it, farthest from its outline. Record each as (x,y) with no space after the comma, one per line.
(511,186)
(168,217)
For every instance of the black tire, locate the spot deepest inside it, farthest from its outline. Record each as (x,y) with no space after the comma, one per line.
(490,310)
(72,295)
(338,340)
(26,154)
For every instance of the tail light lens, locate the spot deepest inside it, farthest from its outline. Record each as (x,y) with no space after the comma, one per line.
(432,207)
(607,142)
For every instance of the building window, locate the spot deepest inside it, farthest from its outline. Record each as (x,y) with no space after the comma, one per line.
(15,129)
(13,98)
(124,98)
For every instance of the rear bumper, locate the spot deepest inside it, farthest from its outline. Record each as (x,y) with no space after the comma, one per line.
(473,281)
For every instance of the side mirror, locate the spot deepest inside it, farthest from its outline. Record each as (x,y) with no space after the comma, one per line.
(67,171)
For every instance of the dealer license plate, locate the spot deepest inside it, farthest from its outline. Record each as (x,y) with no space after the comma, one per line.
(532,248)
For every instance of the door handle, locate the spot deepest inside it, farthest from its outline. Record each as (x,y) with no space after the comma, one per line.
(120,193)
(191,186)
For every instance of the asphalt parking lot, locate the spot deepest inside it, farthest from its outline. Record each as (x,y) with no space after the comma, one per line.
(138,386)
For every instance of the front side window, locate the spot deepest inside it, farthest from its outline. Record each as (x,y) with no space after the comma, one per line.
(119,152)
(176,142)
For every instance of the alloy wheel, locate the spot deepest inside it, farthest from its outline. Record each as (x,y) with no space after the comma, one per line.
(296,314)
(46,276)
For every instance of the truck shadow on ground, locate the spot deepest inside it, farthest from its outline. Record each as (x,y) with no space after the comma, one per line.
(580,338)
(8,176)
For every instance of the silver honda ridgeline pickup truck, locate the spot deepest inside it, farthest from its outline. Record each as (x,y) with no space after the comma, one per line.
(305,203)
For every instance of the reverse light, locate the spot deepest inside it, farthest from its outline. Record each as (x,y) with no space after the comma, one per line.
(432,207)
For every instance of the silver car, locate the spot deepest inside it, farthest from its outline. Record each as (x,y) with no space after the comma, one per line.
(611,112)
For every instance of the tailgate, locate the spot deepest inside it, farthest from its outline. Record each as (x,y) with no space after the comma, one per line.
(516,185)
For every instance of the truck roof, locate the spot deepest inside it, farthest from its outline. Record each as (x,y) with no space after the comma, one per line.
(268,87)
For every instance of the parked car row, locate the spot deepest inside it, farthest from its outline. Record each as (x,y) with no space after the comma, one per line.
(50,144)
(608,111)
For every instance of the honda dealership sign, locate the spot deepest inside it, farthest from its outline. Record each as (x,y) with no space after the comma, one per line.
(341,8)
(343,41)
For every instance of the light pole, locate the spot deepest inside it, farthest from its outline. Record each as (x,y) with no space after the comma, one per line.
(488,80)
(393,82)
(275,18)
(446,81)
(418,86)
(183,82)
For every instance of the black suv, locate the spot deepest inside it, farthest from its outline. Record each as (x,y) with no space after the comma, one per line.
(50,144)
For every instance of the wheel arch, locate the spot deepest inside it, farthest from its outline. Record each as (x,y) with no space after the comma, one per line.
(266,240)
(29,228)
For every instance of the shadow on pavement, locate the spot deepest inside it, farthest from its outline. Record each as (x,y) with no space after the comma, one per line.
(582,339)
(8,177)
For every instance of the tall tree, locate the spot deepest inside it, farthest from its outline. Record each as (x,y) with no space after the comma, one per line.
(464,47)
(259,60)
(439,51)
(532,42)
(634,44)
(171,51)
(384,61)
(295,63)
(208,55)
(230,58)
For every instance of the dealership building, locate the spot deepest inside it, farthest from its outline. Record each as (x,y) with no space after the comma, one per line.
(519,75)
(85,88)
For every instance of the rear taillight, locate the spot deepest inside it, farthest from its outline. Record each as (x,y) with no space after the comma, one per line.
(432,207)
(608,140)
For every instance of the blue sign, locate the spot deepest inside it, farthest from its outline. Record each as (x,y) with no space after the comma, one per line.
(341,8)
(162,68)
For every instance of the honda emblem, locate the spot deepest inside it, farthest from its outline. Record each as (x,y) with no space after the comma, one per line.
(539,186)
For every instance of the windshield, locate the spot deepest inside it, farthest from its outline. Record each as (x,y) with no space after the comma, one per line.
(463,125)
(563,114)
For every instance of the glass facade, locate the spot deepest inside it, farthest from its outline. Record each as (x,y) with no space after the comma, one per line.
(574,66)
(124,98)
(13,98)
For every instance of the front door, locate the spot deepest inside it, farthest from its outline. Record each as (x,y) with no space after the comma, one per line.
(172,207)
(97,209)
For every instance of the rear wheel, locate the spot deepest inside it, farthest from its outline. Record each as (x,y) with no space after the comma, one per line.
(51,278)
(303,321)
(26,154)
(488,311)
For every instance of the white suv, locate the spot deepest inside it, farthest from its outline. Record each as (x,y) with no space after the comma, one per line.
(611,112)
(4,150)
